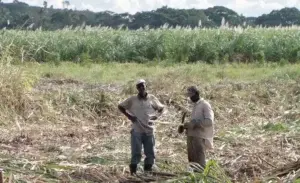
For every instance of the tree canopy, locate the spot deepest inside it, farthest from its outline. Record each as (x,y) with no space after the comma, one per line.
(19,15)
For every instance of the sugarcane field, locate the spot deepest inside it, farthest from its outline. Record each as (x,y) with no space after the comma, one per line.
(170,104)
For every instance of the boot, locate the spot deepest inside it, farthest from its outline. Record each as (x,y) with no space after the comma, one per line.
(147,167)
(133,168)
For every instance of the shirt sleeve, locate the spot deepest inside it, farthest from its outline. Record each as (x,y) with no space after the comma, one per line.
(208,117)
(208,112)
(157,105)
(126,103)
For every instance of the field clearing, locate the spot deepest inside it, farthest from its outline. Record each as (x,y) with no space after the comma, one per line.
(120,73)
(61,123)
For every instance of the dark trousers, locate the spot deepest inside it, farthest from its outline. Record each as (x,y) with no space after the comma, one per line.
(196,150)
(137,141)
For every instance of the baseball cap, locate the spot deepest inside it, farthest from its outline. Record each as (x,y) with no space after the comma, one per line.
(140,81)
(191,90)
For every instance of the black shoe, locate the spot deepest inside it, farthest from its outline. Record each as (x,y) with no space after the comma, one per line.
(133,168)
(147,167)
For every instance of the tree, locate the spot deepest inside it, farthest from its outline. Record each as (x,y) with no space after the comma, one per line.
(20,15)
(217,13)
(66,4)
(285,17)
(45,4)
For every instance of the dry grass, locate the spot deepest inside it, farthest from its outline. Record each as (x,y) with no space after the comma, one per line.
(71,131)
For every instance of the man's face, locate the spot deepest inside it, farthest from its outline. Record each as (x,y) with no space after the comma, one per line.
(141,89)
(190,93)
(192,96)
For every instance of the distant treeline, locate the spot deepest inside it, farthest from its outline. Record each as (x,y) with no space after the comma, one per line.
(19,15)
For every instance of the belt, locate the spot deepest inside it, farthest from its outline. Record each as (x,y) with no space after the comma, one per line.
(143,126)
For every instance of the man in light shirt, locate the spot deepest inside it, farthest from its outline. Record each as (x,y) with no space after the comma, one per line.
(200,129)
(141,110)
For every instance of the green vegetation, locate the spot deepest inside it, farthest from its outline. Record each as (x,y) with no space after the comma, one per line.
(171,45)
(275,127)
(23,16)
(120,73)
(59,93)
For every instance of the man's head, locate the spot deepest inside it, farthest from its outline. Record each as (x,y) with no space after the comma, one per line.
(193,93)
(141,87)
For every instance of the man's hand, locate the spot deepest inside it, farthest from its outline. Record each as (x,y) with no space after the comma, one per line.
(153,118)
(183,127)
(132,118)
(186,125)
(180,129)
(197,123)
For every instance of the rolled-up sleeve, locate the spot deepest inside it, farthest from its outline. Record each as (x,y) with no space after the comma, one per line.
(208,115)
(208,112)
(126,103)
(157,105)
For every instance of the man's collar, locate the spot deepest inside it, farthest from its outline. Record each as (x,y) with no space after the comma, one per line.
(199,101)
(139,97)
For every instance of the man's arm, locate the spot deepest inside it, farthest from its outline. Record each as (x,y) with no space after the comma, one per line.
(208,117)
(198,123)
(161,110)
(158,106)
(125,105)
(123,110)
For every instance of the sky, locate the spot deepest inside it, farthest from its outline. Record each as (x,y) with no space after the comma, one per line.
(245,7)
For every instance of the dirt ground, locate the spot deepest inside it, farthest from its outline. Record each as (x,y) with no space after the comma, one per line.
(72,131)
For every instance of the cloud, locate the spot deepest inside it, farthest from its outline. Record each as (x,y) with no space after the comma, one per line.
(89,7)
(254,7)
(245,7)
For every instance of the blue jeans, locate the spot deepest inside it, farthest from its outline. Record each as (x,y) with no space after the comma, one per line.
(148,142)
